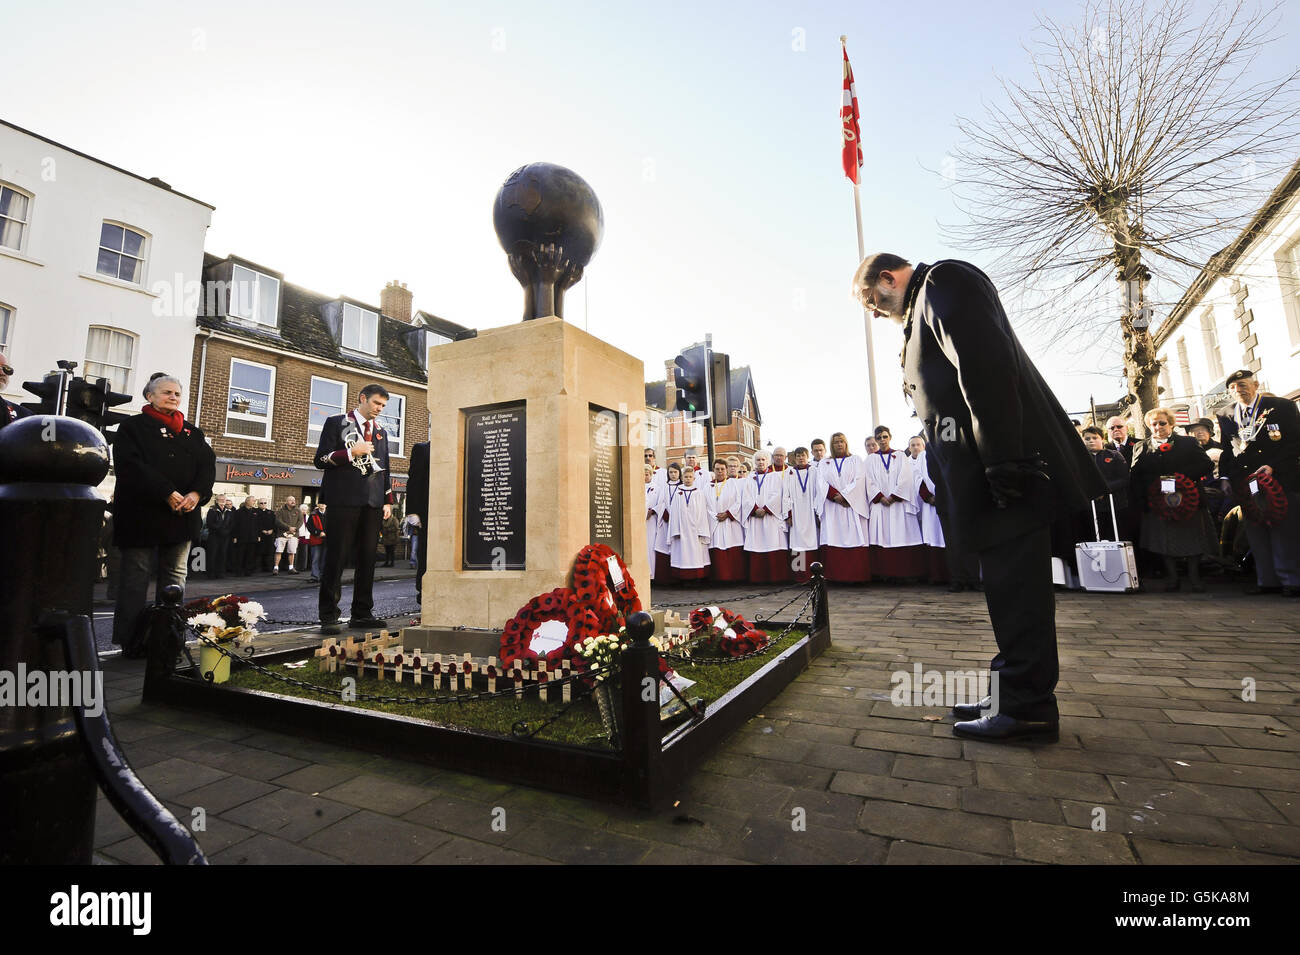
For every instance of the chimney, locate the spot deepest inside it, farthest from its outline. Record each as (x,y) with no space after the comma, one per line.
(670,387)
(395,301)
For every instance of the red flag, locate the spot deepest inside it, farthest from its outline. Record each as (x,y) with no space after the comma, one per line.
(851,157)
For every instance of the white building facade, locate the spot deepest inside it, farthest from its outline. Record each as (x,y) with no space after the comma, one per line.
(1243,311)
(97,265)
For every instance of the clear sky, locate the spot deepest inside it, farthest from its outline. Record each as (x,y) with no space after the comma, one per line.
(348,144)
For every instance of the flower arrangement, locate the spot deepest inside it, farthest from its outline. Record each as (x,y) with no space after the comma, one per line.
(598,589)
(227,618)
(520,640)
(726,631)
(604,650)
(1268,507)
(1178,506)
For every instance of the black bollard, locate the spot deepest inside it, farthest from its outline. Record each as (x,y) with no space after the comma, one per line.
(821,609)
(49,466)
(642,734)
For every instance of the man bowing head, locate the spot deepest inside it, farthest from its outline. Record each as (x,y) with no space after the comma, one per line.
(358,489)
(1008,461)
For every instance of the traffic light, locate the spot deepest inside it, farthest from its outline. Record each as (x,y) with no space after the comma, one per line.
(89,401)
(47,390)
(691,380)
(721,382)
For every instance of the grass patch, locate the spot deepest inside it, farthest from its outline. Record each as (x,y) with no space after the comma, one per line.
(581,725)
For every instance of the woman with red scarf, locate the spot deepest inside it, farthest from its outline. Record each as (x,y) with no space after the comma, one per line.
(165,471)
(1175,522)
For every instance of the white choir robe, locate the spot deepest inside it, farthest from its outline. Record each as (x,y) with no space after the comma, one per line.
(663,570)
(844,529)
(894,529)
(767,539)
(729,562)
(690,531)
(800,500)
(653,498)
(931,531)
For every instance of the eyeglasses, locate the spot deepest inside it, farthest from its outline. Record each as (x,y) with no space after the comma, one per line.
(7,369)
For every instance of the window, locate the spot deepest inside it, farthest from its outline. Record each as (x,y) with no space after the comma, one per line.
(6,327)
(360,329)
(1210,332)
(121,253)
(1288,273)
(252,391)
(13,217)
(253,296)
(393,420)
(697,434)
(327,398)
(110,354)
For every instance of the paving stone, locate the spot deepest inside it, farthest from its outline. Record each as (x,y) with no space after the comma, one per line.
(821,809)
(1288,804)
(223,794)
(896,820)
(952,772)
(580,845)
(287,814)
(1100,761)
(479,820)
(841,735)
(1195,799)
(175,775)
(680,856)
(1249,757)
(368,791)
(751,795)
(1221,718)
(131,851)
(832,757)
(1145,747)
(910,853)
(1185,733)
(371,838)
(1256,777)
(1044,782)
(1069,845)
(316,778)
(263,849)
(899,790)
(776,842)
(458,851)
(689,825)
(904,743)
(997,753)
(990,802)
(1153,824)
(1262,739)
(1151,852)
(1266,837)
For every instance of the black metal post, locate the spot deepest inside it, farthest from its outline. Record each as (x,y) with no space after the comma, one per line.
(821,609)
(642,737)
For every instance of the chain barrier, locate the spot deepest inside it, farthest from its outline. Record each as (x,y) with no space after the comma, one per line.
(688,660)
(696,605)
(315,622)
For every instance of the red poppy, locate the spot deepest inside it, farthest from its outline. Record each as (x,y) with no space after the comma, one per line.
(1165,447)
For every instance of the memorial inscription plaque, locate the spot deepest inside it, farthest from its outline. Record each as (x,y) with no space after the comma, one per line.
(495,488)
(606,470)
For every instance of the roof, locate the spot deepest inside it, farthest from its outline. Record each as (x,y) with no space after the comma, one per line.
(303,329)
(440,325)
(153,181)
(742,381)
(1224,261)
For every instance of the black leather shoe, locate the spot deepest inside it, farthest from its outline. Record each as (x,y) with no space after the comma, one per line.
(331,629)
(1255,590)
(972,711)
(1000,728)
(373,623)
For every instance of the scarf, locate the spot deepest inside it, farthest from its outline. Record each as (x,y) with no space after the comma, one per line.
(174,420)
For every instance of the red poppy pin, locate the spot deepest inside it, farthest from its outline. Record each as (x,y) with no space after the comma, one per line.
(1165,447)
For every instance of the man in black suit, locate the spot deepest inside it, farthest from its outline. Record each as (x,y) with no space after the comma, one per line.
(219,523)
(8,410)
(357,488)
(417,503)
(1120,440)
(1266,444)
(1008,460)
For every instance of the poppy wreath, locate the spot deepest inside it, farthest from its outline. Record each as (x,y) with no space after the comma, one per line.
(1180,505)
(732,634)
(1268,507)
(562,605)
(591,584)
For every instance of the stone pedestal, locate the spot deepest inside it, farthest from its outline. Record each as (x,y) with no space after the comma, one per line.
(560,375)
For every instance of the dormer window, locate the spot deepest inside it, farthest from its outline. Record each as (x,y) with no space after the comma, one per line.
(360,329)
(254,297)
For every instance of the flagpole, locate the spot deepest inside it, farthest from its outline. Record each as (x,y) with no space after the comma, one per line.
(866,316)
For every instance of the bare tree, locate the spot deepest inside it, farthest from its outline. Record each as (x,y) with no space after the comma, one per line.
(1136,148)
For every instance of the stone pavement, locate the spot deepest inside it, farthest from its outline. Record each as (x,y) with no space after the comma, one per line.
(1161,760)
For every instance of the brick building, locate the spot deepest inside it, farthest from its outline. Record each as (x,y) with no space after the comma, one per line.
(273,360)
(741,437)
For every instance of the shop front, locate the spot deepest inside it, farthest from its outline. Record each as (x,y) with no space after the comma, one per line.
(276,482)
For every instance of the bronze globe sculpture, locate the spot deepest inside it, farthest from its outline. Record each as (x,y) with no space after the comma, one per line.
(550,223)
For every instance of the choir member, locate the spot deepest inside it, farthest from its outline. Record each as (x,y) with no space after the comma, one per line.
(778,460)
(818,447)
(690,529)
(653,493)
(766,536)
(894,532)
(842,499)
(660,476)
(727,556)
(702,477)
(800,498)
(743,470)
(872,445)
(927,513)
(663,548)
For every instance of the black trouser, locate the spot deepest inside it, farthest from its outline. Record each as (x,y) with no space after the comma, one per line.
(1022,607)
(421,561)
(390,551)
(353,531)
(963,565)
(218,545)
(245,557)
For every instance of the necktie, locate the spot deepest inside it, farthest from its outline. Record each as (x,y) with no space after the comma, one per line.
(367,431)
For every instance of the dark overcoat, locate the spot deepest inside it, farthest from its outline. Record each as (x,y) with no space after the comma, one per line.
(150,462)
